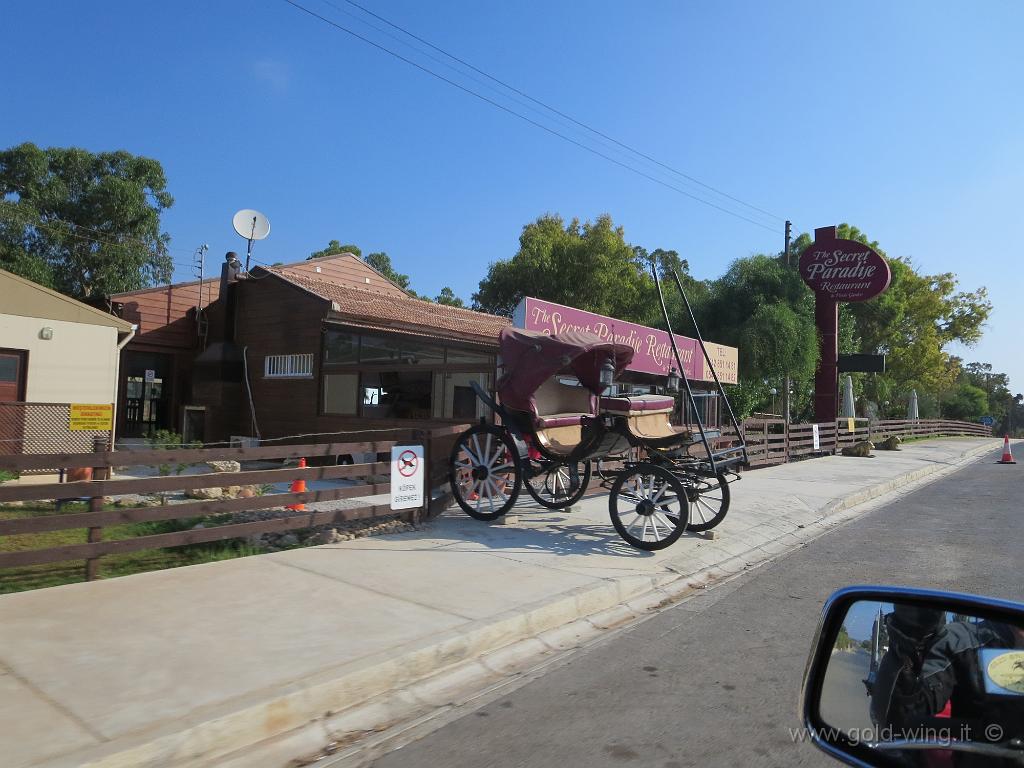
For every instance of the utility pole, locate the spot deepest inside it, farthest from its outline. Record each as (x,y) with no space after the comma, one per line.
(787,384)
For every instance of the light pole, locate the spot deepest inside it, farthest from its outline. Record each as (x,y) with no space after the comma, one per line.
(774,392)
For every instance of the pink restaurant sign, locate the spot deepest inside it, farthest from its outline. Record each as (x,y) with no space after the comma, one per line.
(653,348)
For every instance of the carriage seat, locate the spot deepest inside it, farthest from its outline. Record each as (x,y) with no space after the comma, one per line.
(561,405)
(637,404)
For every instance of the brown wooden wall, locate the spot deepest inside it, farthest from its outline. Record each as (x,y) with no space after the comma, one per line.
(275,317)
(347,271)
(165,314)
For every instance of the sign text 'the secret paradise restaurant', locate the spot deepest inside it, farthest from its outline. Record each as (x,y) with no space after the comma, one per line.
(652,346)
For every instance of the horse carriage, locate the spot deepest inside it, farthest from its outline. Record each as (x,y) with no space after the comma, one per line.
(555,423)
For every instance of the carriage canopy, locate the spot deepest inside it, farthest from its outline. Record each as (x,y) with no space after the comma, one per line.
(530,358)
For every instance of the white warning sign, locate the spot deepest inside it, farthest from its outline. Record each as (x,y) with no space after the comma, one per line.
(406,476)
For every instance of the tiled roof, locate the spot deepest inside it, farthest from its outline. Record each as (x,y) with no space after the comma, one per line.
(377,311)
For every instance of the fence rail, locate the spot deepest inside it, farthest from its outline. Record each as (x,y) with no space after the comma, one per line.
(371,479)
(770,442)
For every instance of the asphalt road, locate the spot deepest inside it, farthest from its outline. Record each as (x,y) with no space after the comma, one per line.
(715,680)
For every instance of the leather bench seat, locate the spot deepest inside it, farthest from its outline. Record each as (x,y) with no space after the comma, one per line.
(634,404)
(560,420)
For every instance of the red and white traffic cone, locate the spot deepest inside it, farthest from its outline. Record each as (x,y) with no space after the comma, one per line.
(299,486)
(1007,456)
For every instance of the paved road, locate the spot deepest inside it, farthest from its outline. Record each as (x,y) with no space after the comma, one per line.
(715,680)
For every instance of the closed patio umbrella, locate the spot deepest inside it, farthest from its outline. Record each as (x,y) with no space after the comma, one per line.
(847,411)
(912,406)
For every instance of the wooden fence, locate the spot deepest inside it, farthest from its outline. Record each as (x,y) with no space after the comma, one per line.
(770,442)
(372,479)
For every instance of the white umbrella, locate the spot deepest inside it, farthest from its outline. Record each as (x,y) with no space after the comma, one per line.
(912,407)
(847,411)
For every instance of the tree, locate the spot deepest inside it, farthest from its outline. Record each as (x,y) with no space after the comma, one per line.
(335,247)
(967,403)
(83,223)
(448,297)
(765,310)
(382,263)
(589,266)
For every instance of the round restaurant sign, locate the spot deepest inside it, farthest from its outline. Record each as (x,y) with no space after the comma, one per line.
(843,270)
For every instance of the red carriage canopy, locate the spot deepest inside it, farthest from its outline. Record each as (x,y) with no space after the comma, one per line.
(530,358)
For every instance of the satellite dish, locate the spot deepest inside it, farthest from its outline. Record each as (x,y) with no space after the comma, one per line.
(250,224)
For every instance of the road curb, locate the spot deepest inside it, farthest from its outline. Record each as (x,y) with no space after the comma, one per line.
(343,704)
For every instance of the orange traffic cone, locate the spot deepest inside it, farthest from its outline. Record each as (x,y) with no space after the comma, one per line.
(299,486)
(1007,456)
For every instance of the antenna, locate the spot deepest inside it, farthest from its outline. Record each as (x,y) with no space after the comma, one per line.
(198,269)
(251,225)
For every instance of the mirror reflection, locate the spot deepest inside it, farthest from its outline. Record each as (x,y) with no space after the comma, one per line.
(925,684)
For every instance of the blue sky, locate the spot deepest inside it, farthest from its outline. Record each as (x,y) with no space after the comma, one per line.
(902,118)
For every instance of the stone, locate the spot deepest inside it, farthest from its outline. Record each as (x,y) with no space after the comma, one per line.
(246,493)
(224,466)
(205,493)
(328,536)
(288,540)
(198,527)
(230,491)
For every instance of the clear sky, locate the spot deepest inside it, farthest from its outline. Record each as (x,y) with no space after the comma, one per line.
(903,118)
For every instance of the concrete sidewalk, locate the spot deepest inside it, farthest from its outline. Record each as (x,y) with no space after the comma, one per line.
(182,667)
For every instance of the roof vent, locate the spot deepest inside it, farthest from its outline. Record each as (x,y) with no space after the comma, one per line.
(367,280)
(318,269)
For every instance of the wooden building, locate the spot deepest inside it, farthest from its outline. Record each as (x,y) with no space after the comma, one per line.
(318,346)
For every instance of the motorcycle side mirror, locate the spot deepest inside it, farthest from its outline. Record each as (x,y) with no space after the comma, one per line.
(899,676)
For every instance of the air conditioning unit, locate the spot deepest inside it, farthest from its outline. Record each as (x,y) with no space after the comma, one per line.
(244,441)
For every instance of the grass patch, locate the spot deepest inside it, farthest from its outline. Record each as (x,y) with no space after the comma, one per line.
(70,571)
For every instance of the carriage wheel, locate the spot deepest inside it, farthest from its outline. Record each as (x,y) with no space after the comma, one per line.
(648,506)
(485,472)
(709,503)
(557,486)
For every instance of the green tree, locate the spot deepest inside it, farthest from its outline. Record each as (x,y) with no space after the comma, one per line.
(447,296)
(83,223)
(586,265)
(335,247)
(382,263)
(967,403)
(764,309)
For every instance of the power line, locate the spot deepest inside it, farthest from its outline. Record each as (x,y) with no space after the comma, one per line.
(510,111)
(558,112)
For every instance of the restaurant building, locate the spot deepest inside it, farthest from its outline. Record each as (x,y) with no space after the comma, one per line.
(319,346)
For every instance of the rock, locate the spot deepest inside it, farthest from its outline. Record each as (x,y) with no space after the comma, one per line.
(224,466)
(288,540)
(205,493)
(230,491)
(246,493)
(149,502)
(198,527)
(327,536)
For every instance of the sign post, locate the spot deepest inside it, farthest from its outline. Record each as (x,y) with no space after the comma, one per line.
(407,476)
(837,270)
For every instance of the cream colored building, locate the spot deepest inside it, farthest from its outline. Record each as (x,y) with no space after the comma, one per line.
(54,349)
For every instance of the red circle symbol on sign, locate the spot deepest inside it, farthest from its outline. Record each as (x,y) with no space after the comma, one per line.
(407,463)
(843,270)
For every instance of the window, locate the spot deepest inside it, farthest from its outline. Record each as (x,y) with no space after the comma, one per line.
(461,356)
(288,366)
(341,393)
(340,348)
(401,394)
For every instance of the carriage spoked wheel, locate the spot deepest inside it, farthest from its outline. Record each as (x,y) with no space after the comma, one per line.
(709,501)
(484,472)
(557,486)
(649,507)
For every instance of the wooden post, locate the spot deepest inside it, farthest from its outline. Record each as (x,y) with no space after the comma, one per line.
(428,474)
(95,534)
